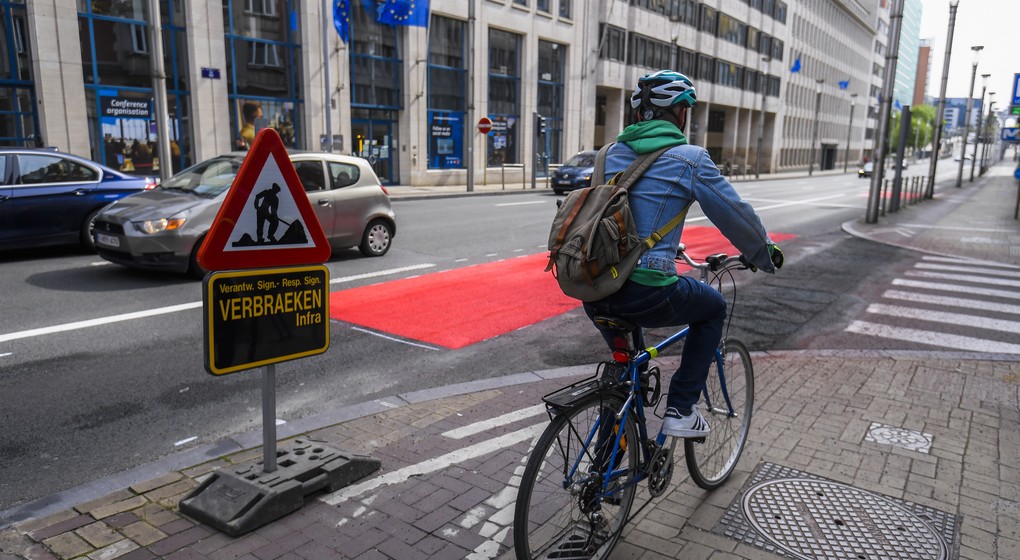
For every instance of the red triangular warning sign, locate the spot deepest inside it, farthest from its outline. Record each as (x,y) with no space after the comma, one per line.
(266,220)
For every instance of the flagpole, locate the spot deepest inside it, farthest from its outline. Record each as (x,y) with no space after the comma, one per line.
(328,106)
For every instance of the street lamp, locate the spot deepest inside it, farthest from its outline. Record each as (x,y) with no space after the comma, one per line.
(940,117)
(984,132)
(849,129)
(966,113)
(977,134)
(761,129)
(814,136)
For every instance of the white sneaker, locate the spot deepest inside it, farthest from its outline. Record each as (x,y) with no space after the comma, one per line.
(690,426)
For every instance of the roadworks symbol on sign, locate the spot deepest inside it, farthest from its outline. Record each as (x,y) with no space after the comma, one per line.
(266,219)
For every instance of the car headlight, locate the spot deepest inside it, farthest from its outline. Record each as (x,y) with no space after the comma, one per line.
(584,177)
(159,226)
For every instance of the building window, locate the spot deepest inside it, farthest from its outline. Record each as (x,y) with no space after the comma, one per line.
(648,52)
(708,20)
(447,93)
(614,47)
(777,49)
(552,59)
(732,30)
(780,14)
(565,8)
(689,12)
(504,97)
(706,68)
(542,5)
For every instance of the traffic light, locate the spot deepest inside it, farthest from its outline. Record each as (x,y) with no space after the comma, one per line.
(540,125)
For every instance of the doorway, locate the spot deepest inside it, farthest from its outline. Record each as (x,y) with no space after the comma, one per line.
(376,140)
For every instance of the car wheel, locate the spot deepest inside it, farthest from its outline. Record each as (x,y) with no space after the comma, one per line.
(88,242)
(557,192)
(195,270)
(377,238)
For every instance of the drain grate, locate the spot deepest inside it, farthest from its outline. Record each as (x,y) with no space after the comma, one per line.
(900,437)
(803,516)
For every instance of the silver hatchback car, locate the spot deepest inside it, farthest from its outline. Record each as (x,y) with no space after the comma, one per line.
(162,229)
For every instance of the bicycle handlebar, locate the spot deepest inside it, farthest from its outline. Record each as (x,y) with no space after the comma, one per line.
(713,262)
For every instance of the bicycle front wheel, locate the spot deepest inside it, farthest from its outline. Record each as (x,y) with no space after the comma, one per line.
(563,509)
(729,398)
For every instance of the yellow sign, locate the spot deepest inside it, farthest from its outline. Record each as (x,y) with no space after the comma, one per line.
(264,316)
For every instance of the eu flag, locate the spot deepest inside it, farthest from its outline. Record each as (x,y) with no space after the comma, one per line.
(341,19)
(405,12)
(796,66)
(844,84)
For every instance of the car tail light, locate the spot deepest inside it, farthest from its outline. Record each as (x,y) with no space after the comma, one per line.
(385,192)
(150,183)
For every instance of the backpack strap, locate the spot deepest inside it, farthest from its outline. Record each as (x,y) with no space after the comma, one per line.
(598,176)
(658,234)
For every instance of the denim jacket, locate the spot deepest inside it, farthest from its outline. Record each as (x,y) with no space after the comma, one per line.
(682,175)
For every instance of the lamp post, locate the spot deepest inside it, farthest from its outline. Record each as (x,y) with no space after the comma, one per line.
(849,129)
(761,128)
(984,132)
(977,134)
(966,113)
(940,117)
(814,136)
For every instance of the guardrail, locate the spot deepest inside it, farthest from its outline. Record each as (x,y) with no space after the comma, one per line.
(524,175)
(912,191)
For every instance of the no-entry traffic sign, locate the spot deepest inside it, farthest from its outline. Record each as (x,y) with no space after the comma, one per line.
(484,125)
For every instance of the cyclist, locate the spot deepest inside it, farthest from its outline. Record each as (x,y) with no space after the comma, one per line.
(654,295)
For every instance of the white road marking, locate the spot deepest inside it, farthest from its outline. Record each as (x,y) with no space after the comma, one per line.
(523,203)
(952,301)
(174,308)
(508,418)
(957,288)
(974,262)
(376,274)
(433,465)
(380,335)
(946,317)
(967,269)
(975,278)
(99,321)
(100,263)
(932,338)
(5,354)
(186,440)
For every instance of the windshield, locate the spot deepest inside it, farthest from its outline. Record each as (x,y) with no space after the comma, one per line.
(208,179)
(581,160)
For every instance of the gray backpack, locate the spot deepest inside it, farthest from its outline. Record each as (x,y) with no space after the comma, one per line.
(593,243)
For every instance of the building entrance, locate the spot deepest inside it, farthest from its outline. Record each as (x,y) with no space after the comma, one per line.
(376,141)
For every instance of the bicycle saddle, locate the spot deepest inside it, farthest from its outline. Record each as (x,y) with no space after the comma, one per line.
(614,323)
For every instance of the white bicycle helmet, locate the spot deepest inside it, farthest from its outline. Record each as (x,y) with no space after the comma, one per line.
(661,90)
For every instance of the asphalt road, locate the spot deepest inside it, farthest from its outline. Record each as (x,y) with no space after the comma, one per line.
(81,401)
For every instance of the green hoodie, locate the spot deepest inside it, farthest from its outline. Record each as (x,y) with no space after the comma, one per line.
(648,136)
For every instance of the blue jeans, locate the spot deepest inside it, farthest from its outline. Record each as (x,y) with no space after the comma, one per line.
(688,301)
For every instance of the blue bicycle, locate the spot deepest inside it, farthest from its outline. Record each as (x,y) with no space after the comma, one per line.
(582,476)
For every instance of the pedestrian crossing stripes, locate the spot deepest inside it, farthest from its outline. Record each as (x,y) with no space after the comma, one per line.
(950,303)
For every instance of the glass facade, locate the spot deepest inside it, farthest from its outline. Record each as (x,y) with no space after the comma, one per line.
(117,66)
(447,93)
(552,60)
(264,69)
(504,97)
(19,122)
(376,68)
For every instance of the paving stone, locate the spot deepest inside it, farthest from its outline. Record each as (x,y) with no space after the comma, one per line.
(114,508)
(98,534)
(33,525)
(114,550)
(118,496)
(62,527)
(143,533)
(68,545)
(179,541)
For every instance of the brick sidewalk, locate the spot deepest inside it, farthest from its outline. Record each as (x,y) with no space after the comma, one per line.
(813,413)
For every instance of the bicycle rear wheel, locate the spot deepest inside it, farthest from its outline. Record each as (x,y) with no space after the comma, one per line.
(711,462)
(561,511)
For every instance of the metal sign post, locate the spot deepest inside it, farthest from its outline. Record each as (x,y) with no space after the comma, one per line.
(269,418)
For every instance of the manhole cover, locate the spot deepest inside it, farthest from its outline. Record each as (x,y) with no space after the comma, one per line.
(800,515)
(821,519)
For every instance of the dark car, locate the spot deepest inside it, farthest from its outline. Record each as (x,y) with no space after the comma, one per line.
(51,198)
(865,170)
(575,173)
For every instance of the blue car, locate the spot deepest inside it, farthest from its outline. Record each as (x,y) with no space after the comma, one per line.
(575,173)
(51,198)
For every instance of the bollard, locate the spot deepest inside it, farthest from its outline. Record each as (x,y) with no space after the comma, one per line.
(885,187)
